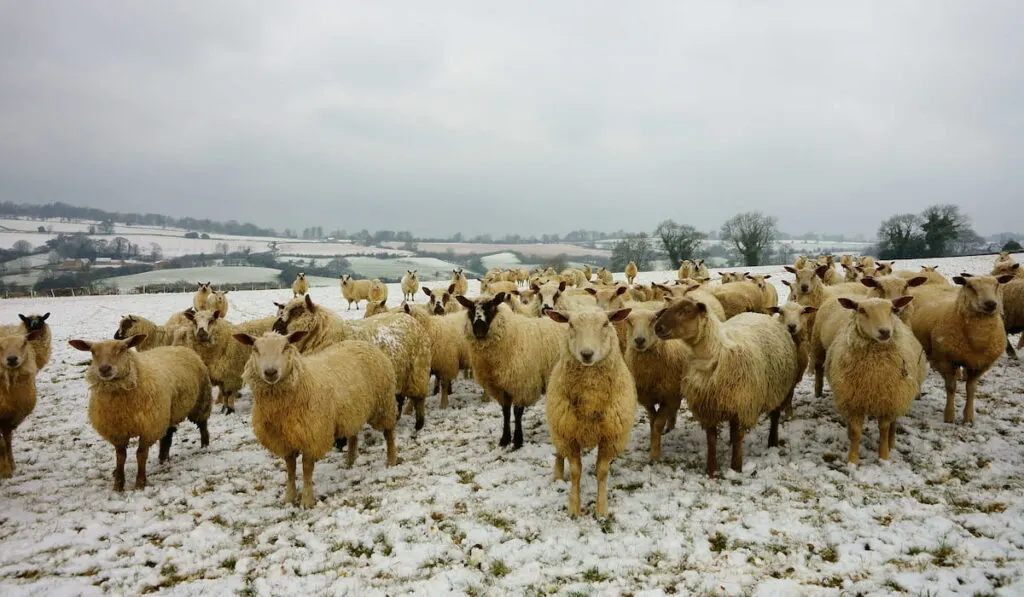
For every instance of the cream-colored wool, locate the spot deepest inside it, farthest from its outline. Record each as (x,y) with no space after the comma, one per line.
(739,297)
(199,298)
(794,317)
(875,367)
(449,352)
(511,355)
(604,276)
(460,282)
(18,372)
(378,292)
(300,286)
(144,395)
(591,400)
(410,284)
(658,367)
(962,329)
(739,369)
(42,343)
(156,335)
(686,270)
(769,296)
(631,272)
(931,275)
(218,301)
(354,291)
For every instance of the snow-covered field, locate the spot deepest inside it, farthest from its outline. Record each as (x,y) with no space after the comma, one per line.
(217,275)
(458,515)
(538,250)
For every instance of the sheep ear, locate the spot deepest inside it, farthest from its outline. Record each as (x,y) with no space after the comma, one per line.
(135,340)
(790,269)
(619,314)
(966,275)
(1005,279)
(216,314)
(498,299)
(1014,267)
(766,276)
(190,315)
(809,310)
(848,303)
(23,318)
(621,290)
(959,280)
(591,291)
(869,281)
(774,310)
(278,305)
(296,336)
(309,303)
(465,302)
(244,339)
(426,291)
(787,282)
(557,316)
(901,302)
(916,281)
(821,271)
(80,345)
(561,286)
(451,289)
(405,307)
(702,308)
(34,334)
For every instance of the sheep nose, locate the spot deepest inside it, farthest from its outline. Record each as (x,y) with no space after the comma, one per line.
(270,373)
(990,306)
(105,370)
(640,342)
(792,328)
(12,361)
(804,288)
(884,333)
(586,355)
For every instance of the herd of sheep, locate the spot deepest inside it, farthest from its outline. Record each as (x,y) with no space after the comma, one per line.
(595,348)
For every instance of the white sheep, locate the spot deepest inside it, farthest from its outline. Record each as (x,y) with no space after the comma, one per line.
(658,367)
(591,400)
(199,298)
(354,291)
(17,390)
(300,286)
(410,284)
(460,281)
(218,301)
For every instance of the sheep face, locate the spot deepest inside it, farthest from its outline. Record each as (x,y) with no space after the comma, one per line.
(124,328)
(640,325)
(110,357)
(375,308)
(683,319)
(759,280)
(793,316)
(272,354)
(807,279)
(204,322)
(883,268)
(481,313)
(876,318)
(14,348)
(609,299)
(891,287)
(1006,268)
(549,295)
(34,322)
(591,335)
(982,294)
(346,280)
(438,300)
(293,315)
(302,276)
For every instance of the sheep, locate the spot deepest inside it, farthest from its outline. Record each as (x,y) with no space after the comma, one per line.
(218,301)
(410,284)
(604,276)
(41,343)
(17,390)
(631,272)
(801,262)
(377,308)
(496,287)
(685,269)
(210,338)
(962,329)
(354,291)
(657,366)
(555,296)
(701,270)
(156,335)
(449,352)
(875,367)
(809,289)
(199,298)
(697,292)
(852,273)
(460,281)
(591,400)
(378,292)
(144,395)
(883,268)
(512,357)
(303,403)
(441,301)
(739,297)
(1013,313)
(522,276)
(588,274)
(930,274)
(1007,267)
(846,260)
(1003,257)
(739,369)
(866,262)
(300,286)
(400,337)
(769,296)
(795,318)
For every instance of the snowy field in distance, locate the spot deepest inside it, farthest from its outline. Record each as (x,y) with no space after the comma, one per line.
(539,250)
(460,516)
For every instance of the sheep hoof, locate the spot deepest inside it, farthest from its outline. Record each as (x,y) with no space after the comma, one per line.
(339,443)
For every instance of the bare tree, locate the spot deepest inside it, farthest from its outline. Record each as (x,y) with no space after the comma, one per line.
(680,241)
(635,248)
(899,237)
(22,246)
(751,234)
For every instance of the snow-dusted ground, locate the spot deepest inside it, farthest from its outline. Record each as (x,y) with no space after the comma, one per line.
(460,516)
(538,250)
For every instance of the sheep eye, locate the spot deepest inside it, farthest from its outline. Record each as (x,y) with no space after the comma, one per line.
(862,311)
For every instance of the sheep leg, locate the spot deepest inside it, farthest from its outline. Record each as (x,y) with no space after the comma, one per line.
(773,429)
(229,402)
(204,434)
(972,386)
(575,469)
(353,445)
(141,456)
(604,465)
(400,400)
(445,387)
(389,440)
(506,426)
(788,404)
(421,412)
(883,439)
(1010,352)
(289,484)
(892,435)
(949,376)
(652,420)
(437,386)
(165,444)
(854,427)
(670,420)
(517,437)
(712,435)
(307,481)
(1020,342)
(6,458)
(559,472)
(819,378)
(122,456)
(736,434)
(340,443)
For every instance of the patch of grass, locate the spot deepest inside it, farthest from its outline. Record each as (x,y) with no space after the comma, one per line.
(593,575)
(466,477)
(718,542)
(832,582)
(169,569)
(358,550)
(895,586)
(630,487)
(386,547)
(499,569)
(229,563)
(607,524)
(654,558)
(944,555)
(829,554)
(499,522)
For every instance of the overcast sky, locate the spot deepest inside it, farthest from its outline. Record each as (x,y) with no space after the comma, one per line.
(526,117)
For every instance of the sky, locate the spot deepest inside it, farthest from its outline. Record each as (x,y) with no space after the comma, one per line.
(521,117)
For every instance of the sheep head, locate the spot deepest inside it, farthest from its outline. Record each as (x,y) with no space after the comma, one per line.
(271,354)
(591,335)
(876,318)
(481,312)
(14,348)
(110,358)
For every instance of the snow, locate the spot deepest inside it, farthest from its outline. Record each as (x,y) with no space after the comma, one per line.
(537,250)
(459,515)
